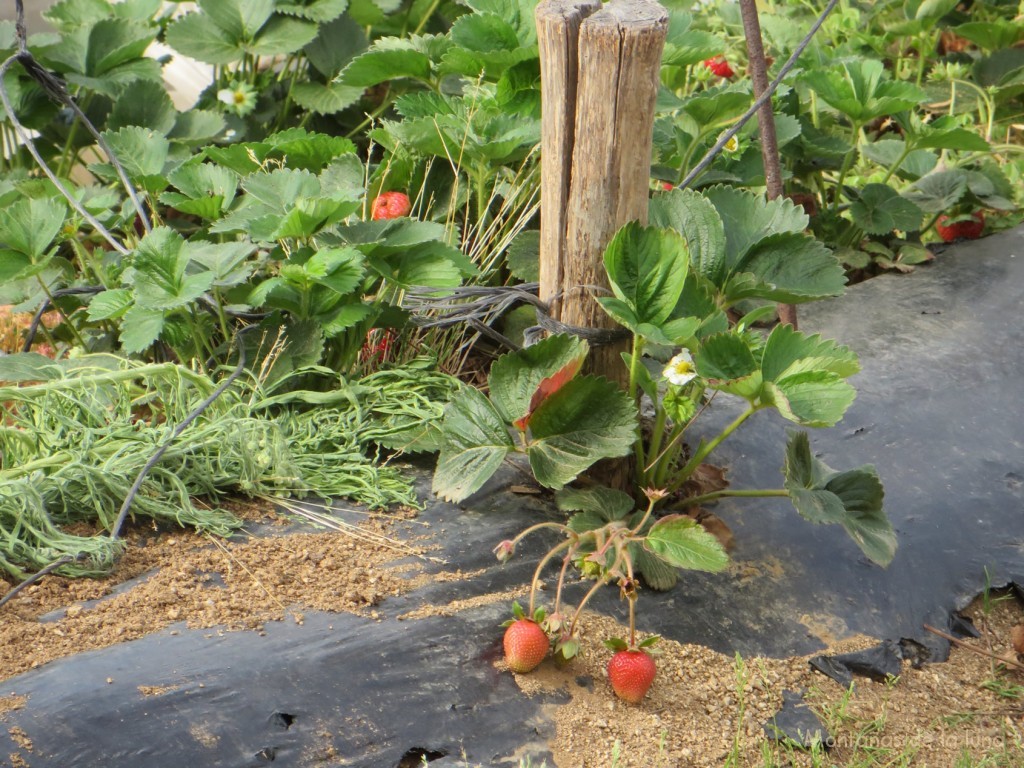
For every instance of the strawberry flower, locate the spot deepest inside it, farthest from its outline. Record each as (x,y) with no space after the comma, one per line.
(240,98)
(680,369)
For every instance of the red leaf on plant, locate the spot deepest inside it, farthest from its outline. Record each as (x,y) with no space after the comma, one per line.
(548,387)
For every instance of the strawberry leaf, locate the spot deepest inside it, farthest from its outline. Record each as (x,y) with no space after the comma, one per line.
(852,499)
(646,268)
(474,443)
(516,377)
(681,541)
(588,419)
(548,387)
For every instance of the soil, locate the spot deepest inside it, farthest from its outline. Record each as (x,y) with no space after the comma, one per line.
(703,709)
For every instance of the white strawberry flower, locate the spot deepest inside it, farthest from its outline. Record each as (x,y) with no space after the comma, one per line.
(680,369)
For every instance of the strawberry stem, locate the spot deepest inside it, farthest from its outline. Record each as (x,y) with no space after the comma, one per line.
(561,578)
(598,583)
(540,567)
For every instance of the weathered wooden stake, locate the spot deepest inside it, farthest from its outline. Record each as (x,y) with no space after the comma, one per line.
(765,118)
(599,81)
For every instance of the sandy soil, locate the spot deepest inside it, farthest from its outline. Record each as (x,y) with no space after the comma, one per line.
(704,709)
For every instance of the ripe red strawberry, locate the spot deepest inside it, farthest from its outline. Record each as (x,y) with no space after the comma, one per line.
(630,671)
(377,345)
(391,205)
(956,228)
(719,66)
(526,644)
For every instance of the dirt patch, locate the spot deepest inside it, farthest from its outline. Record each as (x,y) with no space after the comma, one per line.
(204,582)
(707,708)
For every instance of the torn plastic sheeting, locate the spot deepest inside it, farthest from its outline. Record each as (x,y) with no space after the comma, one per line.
(796,723)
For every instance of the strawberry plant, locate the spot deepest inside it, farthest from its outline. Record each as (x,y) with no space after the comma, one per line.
(674,284)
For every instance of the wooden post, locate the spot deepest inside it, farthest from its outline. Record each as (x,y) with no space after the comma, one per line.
(599,81)
(765,119)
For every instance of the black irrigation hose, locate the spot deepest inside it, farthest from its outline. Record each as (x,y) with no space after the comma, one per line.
(491,301)
(760,101)
(115,530)
(62,560)
(33,328)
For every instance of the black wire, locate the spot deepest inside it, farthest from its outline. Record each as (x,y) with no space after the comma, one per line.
(33,328)
(62,560)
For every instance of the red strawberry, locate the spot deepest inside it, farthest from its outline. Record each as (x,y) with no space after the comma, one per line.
(391,205)
(631,673)
(667,186)
(960,227)
(719,66)
(526,645)
(377,345)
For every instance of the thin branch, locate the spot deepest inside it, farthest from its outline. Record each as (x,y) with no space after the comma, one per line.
(961,644)
(763,98)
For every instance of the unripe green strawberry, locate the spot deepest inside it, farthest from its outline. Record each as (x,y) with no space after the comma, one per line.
(526,645)
(631,673)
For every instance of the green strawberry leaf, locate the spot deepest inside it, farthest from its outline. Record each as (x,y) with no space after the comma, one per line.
(608,503)
(696,218)
(160,280)
(646,267)
(683,543)
(238,19)
(29,225)
(861,90)
(658,574)
(475,441)
(938,192)
(110,304)
(140,328)
(748,220)
(788,351)
(724,357)
(144,103)
(387,59)
(193,35)
(791,268)
(326,98)
(853,499)
(880,210)
(810,398)
(588,419)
